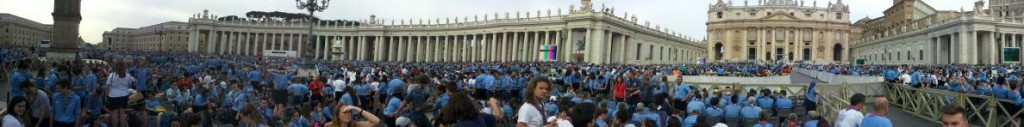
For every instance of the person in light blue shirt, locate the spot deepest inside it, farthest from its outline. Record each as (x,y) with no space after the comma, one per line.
(750,111)
(254,76)
(783,102)
(142,78)
(281,80)
(298,120)
(692,119)
(766,101)
(66,106)
(298,93)
(391,111)
(877,118)
(346,98)
(732,111)
(18,77)
(395,83)
(714,111)
(763,120)
(810,99)
(695,105)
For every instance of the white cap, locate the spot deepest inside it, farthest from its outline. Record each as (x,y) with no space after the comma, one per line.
(402,121)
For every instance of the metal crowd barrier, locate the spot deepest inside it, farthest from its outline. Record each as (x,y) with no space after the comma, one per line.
(982,110)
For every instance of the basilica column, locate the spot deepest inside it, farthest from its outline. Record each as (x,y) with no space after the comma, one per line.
(420,48)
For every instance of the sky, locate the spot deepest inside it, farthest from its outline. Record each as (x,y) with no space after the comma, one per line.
(686,17)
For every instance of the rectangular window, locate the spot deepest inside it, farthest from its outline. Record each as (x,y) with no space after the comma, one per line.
(719,15)
(920,55)
(650,52)
(908,56)
(839,16)
(779,35)
(638,51)
(751,34)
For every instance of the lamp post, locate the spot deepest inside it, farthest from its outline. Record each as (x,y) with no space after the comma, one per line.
(311,6)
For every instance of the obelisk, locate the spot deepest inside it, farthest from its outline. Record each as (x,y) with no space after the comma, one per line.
(66,16)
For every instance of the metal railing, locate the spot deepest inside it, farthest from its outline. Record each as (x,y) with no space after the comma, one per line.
(982,110)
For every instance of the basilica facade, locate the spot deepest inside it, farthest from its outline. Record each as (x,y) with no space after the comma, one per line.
(779,30)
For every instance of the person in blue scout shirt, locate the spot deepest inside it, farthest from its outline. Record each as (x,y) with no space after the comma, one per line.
(691,119)
(394,107)
(732,110)
(783,103)
(142,74)
(767,100)
(280,79)
(750,111)
(694,104)
(297,92)
(506,86)
(878,118)
(18,76)
(254,76)
(810,99)
(66,105)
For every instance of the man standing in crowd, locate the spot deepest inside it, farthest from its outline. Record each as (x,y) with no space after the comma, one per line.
(953,116)
(851,116)
(877,117)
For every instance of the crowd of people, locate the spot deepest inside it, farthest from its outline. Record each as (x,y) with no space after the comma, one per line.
(1001,81)
(176,89)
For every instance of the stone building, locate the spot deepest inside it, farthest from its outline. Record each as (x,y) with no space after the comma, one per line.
(779,30)
(578,35)
(1007,8)
(167,36)
(15,30)
(929,36)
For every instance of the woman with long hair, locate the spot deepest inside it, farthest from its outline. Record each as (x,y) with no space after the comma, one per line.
(248,116)
(118,84)
(620,89)
(16,114)
(531,114)
(346,118)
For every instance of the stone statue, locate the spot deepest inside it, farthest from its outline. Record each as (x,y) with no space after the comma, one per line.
(438,21)
(549,12)
(745,2)
(602,7)
(392,22)
(475,18)
(626,14)
(465,19)
(373,19)
(634,19)
(403,21)
(506,15)
(447,21)
(538,13)
(571,7)
(495,15)
(559,11)
(421,22)
(977,7)
(517,14)
(527,14)
(647,23)
(585,5)
(485,18)
(206,14)
(612,10)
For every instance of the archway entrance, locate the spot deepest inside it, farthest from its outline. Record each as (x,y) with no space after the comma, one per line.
(837,52)
(719,51)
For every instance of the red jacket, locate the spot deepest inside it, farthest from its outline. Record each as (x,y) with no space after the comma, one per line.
(620,89)
(316,87)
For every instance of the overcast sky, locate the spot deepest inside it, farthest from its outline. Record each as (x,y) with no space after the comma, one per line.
(684,16)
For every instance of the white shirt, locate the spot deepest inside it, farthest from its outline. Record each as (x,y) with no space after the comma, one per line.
(529,115)
(849,118)
(10,121)
(119,85)
(351,76)
(339,85)
(905,78)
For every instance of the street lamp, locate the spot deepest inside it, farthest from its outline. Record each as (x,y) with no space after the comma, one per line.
(311,6)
